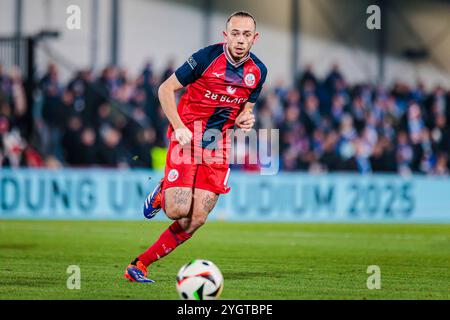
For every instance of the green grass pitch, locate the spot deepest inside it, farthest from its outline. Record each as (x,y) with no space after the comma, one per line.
(258,260)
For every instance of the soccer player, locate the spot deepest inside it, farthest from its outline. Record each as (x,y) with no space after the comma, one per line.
(223,82)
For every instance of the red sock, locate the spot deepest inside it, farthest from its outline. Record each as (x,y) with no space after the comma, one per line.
(171,238)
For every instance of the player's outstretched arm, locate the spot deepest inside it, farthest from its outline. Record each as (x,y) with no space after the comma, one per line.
(166,95)
(246,119)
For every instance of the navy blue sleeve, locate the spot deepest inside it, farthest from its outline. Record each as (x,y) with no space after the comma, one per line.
(194,67)
(255,93)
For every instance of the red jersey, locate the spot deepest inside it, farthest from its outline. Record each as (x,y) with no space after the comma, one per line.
(217,87)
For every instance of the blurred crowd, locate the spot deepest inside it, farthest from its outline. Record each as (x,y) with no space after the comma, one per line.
(111,119)
(107,120)
(328,125)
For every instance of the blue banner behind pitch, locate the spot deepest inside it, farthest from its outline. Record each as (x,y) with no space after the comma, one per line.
(119,194)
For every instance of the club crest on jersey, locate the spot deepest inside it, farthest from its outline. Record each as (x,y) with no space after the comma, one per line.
(250,79)
(231,90)
(173,175)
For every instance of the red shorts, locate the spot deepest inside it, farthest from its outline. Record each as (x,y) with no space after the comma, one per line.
(183,171)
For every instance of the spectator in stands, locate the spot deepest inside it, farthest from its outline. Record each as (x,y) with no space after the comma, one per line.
(405,153)
(311,117)
(110,151)
(15,150)
(52,91)
(88,153)
(442,166)
(18,100)
(142,150)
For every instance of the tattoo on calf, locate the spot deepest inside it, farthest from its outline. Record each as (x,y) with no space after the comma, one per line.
(209,202)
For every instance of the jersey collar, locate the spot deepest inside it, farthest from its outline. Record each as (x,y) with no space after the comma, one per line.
(230,59)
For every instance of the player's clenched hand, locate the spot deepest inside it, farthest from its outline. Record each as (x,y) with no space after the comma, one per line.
(183,135)
(245,121)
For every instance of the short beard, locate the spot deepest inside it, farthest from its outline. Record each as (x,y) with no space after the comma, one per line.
(237,59)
